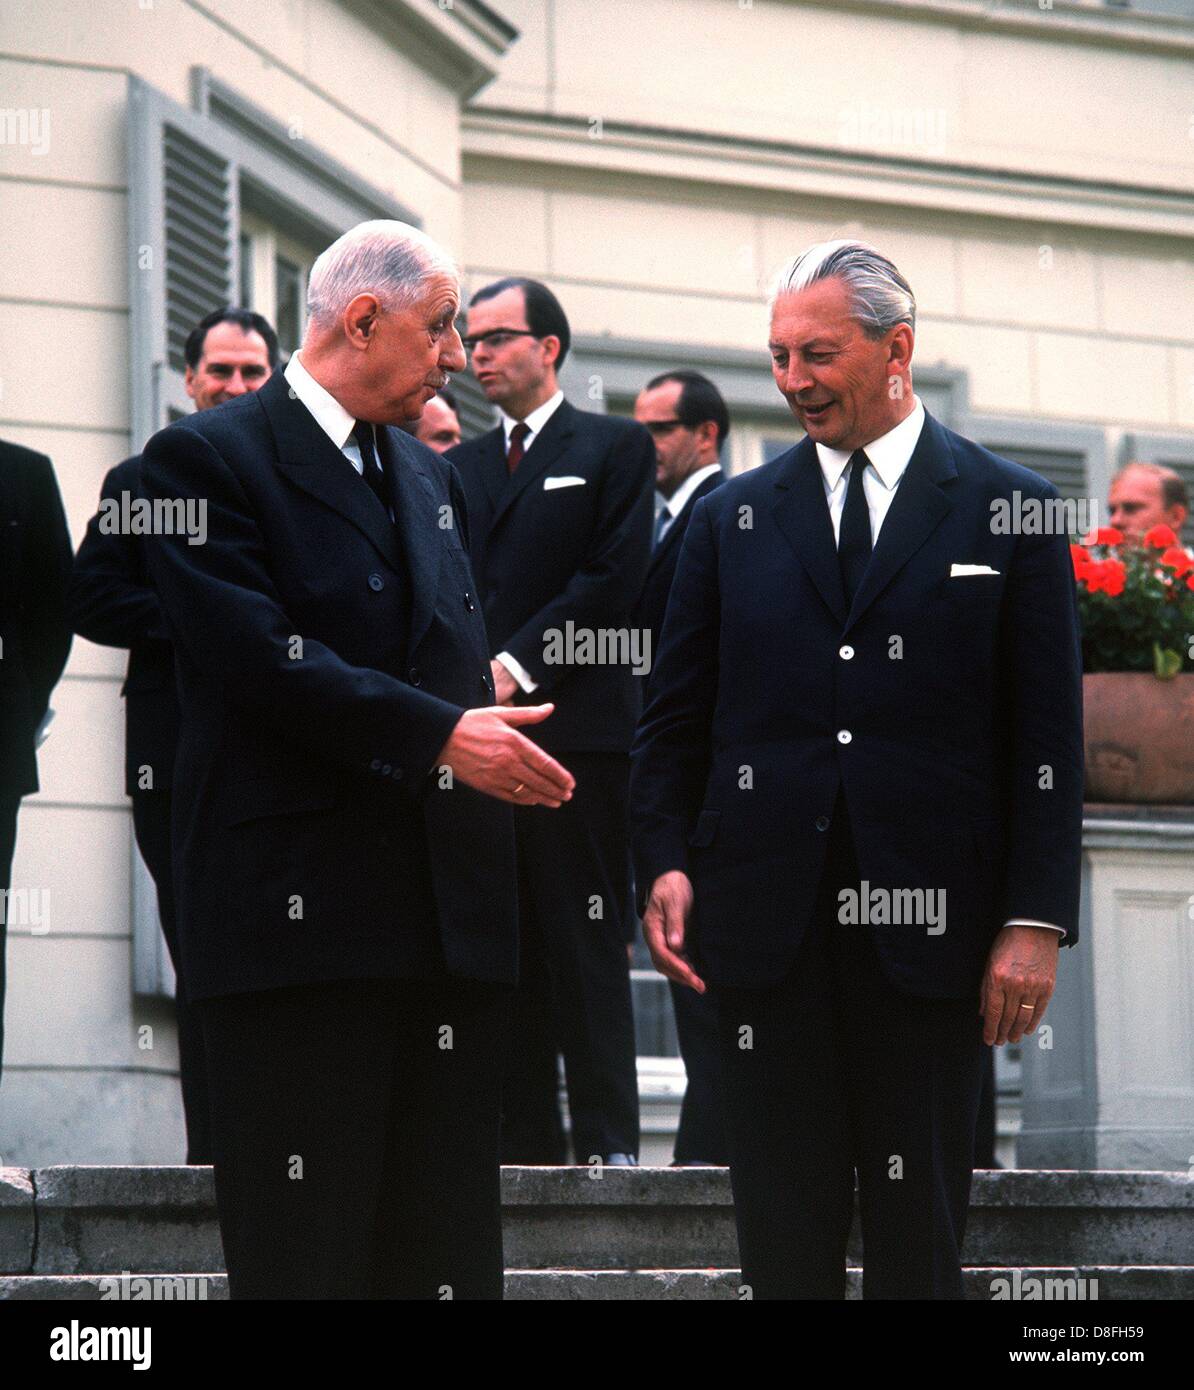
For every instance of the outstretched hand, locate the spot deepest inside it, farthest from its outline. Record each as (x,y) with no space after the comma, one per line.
(486,752)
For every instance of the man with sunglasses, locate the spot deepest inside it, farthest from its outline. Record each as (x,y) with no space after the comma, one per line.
(559,504)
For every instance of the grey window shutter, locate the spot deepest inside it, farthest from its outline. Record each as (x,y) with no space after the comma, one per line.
(182,257)
(1064,468)
(183,245)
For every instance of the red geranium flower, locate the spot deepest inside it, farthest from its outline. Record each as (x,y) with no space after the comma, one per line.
(1108,535)
(1175,557)
(1159,537)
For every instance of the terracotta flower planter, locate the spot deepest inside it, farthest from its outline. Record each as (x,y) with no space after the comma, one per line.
(1139,737)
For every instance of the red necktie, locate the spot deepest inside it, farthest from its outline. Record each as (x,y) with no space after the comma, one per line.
(517,435)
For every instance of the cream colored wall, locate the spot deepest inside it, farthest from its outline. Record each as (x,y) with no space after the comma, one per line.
(1062,91)
(78,1086)
(1095,329)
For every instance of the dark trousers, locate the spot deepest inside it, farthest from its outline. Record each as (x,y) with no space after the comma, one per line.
(833,1072)
(701,1135)
(9,808)
(574,979)
(151,825)
(355,1126)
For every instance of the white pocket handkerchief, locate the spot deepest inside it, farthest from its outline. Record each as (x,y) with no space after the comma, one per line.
(549,483)
(961,571)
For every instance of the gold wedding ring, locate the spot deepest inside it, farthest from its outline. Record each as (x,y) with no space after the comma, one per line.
(518,788)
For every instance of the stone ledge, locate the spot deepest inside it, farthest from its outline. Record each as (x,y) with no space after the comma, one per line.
(18,1221)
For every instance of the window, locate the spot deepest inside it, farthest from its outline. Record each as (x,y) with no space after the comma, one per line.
(274,268)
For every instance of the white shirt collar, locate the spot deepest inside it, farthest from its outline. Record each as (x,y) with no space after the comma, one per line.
(888,455)
(675,503)
(330,415)
(535,420)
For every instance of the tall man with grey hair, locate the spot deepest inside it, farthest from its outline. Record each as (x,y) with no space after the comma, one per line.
(344,863)
(867,843)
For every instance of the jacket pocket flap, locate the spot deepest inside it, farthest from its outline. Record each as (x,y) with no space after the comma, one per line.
(705,829)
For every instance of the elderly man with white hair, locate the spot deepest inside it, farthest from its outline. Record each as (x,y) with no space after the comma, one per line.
(857,794)
(344,860)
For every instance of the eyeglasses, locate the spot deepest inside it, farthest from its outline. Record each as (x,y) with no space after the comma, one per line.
(661,427)
(497,338)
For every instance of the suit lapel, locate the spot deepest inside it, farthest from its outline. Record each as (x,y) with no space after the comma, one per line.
(915,512)
(675,532)
(312,462)
(418,522)
(545,448)
(802,514)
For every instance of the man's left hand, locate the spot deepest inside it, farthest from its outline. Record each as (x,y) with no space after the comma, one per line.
(1021,974)
(504,685)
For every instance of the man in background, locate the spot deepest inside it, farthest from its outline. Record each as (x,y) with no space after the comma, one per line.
(559,505)
(685,415)
(439,426)
(228,353)
(35,637)
(1144,495)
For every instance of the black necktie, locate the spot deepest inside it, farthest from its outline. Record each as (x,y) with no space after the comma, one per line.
(374,474)
(854,532)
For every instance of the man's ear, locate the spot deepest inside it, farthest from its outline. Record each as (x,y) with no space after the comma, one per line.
(360,320)
(188,381)
(552,343)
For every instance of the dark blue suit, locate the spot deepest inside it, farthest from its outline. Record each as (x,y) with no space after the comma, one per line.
(347,915)
(700,1135)
(113,603)
(928,739)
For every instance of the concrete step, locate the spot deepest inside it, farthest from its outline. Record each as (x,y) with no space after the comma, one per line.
(1090,1282)
(102,1220)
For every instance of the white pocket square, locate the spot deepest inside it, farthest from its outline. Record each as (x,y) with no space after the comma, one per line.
(960,571)
(549,483)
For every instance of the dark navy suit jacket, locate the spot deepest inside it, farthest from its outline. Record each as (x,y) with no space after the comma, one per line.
(948,711)
(112,602)
(324,656)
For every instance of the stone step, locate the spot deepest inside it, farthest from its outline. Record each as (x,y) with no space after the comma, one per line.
(102,1220)
(1092,1282)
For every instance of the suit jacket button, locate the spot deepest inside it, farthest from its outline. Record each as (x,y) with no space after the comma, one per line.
(844,735)
(414,677)
(822,822)
(376,583)
(375,765)
(846,653)
(389,767)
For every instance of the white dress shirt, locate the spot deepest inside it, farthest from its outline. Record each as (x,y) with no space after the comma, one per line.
(330,415)
(888,457)
(675,504)
(534,423)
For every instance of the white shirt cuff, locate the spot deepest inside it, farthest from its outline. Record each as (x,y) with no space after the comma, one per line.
(1032,922)
(518,672)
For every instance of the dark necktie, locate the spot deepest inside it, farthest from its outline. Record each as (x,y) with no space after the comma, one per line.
(517,435)
(661,522)
(854,532)
(374,474)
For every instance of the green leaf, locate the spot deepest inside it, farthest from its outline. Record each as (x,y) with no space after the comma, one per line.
(1166,663)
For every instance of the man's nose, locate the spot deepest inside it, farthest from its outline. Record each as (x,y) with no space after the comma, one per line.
(798,379)
(452,358)
(235,385)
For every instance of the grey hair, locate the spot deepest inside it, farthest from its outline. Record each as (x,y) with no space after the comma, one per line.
(392,260)
(880,296)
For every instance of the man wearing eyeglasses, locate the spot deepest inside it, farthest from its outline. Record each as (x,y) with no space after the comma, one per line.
(560,508)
